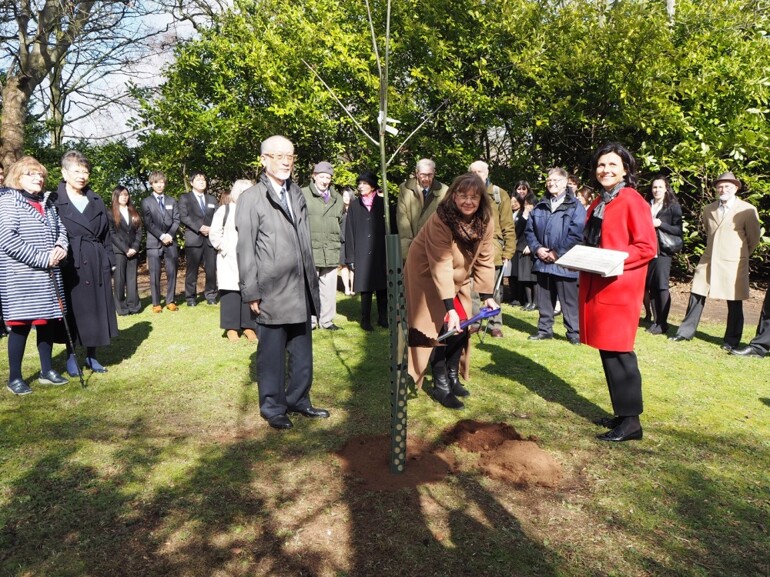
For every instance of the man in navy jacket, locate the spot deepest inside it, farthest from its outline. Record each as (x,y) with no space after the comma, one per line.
(555,225)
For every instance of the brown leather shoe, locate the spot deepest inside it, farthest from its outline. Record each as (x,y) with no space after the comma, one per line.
(157,309)
(250,334)
(473,329)
(172,307)
(496,333)
(232,336)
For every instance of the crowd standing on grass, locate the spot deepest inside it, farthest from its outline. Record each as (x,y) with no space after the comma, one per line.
(271,253)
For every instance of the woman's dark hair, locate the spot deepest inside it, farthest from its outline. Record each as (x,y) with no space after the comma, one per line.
(531,199)
(629,163)
(132,214)
(519,184)
(669,198)
(466,234)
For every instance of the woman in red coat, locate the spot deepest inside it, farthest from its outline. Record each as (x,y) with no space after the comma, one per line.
(619,219)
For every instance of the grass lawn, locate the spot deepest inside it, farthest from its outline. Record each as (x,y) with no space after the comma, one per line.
(163,467)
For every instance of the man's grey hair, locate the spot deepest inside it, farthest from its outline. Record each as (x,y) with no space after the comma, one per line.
(558,171)
(480,163)
(425,163)
(270,141)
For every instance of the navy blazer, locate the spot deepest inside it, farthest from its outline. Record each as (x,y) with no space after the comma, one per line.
(193,218)
(159,222)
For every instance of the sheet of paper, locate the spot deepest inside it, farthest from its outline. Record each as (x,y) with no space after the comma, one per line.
(600,261)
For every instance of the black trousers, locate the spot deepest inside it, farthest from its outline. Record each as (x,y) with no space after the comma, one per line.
(733,330)
(125,289)
(284,366)
(382,306)
(194,255)
(624,382)
(761,342)
(549,287)
(234,314)
(170,255)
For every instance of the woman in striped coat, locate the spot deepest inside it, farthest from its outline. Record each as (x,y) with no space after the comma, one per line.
(33,242)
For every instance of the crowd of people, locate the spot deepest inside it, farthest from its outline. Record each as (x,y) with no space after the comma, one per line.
(271,253)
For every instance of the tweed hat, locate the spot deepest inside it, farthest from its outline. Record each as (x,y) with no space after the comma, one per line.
(324,167)
(728,177)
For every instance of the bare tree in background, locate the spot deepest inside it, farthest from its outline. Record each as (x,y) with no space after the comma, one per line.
(72,59)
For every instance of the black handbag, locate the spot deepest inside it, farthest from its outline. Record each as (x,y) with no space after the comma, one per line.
(670,244)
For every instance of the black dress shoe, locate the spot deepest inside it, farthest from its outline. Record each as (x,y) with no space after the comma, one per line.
(383,324)
(280,422)
(367,326)
(573,341)
(312,413)
(618,436)
(608,422)
(539,337)
(747,352)
(678,338)
(726,347)
(331,327)
(192,304)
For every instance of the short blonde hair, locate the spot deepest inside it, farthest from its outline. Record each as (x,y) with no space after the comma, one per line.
(157,176)
(22,166)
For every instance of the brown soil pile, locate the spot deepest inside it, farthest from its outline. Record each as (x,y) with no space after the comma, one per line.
(501,453)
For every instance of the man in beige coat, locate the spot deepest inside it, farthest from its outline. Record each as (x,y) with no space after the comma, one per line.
(733,232)
(505,239)
(418,198)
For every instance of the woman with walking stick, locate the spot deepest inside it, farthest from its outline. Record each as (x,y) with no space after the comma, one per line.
(33,242)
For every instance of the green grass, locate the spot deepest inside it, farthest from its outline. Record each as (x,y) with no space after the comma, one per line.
(162,466)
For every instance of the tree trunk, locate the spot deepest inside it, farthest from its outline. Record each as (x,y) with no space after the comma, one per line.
(16,94)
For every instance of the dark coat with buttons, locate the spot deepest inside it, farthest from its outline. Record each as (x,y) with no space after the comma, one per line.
(88,270)
(365,245)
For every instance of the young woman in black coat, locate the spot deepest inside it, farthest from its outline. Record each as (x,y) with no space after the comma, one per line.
(126,232)
(667,217)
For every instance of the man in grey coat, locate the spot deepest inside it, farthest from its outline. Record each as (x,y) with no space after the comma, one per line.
(278,280)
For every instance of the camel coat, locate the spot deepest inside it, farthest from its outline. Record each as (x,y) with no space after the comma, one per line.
(436,270)
(723,269)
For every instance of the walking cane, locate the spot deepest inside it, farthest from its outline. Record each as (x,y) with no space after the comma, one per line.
(483,333)
(66,325)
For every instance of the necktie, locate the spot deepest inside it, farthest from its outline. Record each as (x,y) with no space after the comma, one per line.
(203,204)
(425,193)
(160,203)
(284,204)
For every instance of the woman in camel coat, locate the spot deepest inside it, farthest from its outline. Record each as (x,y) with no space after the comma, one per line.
(454,246)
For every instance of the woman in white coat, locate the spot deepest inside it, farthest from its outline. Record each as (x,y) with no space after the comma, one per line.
(234,315)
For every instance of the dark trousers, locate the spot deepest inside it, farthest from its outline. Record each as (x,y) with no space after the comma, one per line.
(661,306)
(171,256)
(284,351)
(549,287)
(761,342)
(194,255)
(733,330)
(17,341)
(234,314)
(125,289)
(382,306)
(624,382)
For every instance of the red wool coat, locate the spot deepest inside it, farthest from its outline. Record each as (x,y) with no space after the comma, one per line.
(609,307)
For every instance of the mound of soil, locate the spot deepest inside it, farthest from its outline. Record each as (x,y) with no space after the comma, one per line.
(502,453)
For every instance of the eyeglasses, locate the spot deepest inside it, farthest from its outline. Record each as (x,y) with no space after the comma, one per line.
(78,171)
(425,174)
(34,174)
(466,198)
(281,157)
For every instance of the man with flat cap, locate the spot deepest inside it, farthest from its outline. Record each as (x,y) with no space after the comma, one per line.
(732,233)
(324,211)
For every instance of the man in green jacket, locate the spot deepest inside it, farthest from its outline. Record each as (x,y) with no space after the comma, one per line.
(324,209)
(505,238)
(418,198)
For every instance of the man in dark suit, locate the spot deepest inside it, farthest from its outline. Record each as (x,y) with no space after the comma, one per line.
(760,344)
(278,280)
(160,214)
(196,209)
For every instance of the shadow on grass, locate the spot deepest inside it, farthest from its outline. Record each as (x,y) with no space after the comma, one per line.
(765,400)
(703,522)
(540,381)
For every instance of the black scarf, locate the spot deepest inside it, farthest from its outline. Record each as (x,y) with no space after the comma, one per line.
(592,234)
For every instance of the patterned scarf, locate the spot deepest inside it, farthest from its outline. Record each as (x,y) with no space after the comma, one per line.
(592,235)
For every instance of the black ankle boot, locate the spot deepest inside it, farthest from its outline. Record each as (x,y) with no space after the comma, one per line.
(453,374)
(441,390)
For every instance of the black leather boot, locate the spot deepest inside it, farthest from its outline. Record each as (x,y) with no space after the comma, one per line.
(453,367)
(441,389)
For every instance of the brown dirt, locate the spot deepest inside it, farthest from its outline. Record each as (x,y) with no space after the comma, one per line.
(499,452)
